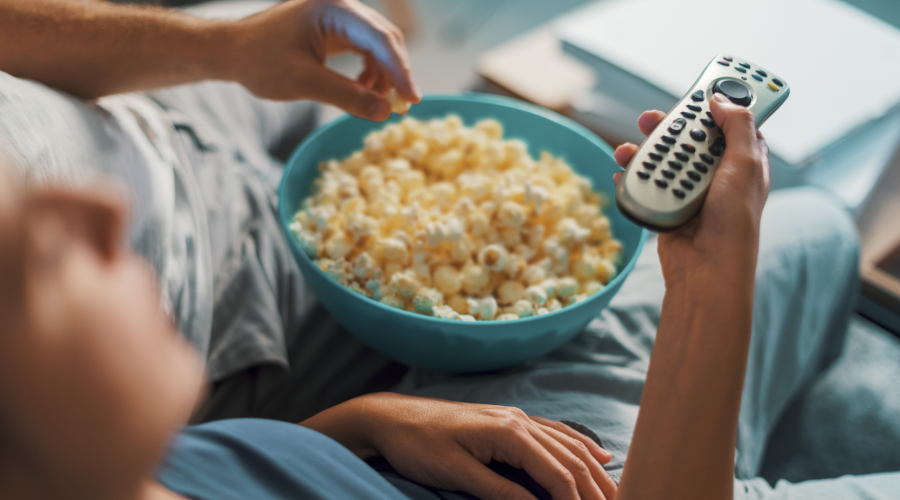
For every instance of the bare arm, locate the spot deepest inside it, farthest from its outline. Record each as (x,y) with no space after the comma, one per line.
(92,49)
(683,444)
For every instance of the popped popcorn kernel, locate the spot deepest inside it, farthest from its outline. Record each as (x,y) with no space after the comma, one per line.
(429,211)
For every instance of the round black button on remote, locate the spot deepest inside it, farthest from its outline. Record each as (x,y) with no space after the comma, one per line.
(735,91)
(655,156)
(762,73)
(697,96)
(643,175)
(687,184)
(649,166)
(688,114)
(694,108)
(707,158)
(778,82)
(718,146)
(661,183)
(679,193)
(757,78)
(681,156)
(674,165)
(707,122)
(701,167)
(677,126)
(709,115)
(661,147)
(698,135)
(668,174)
(694,176)
(689,148)
(668,139)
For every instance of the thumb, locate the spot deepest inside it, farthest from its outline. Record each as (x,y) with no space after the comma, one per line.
(737,123)
(349,95)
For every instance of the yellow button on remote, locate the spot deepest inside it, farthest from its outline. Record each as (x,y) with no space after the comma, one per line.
(773,87)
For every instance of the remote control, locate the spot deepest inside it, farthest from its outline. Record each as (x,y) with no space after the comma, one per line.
(667,179)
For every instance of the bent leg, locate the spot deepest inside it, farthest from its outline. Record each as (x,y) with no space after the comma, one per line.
(884,486)
(807,280)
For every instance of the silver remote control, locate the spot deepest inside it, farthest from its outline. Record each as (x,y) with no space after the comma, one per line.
(667,179)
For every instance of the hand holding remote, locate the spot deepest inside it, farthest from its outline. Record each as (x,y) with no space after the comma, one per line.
(726,230)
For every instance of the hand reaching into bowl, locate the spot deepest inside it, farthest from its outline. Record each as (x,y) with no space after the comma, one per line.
(446,444)
(93,49)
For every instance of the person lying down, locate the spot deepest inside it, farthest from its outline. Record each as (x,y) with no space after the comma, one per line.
(96,383)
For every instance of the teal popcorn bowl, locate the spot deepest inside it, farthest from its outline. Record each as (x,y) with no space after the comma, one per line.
(450,345)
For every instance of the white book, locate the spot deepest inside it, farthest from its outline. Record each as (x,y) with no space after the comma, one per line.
(843,65)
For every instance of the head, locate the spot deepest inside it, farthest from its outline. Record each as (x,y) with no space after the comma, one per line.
(94,379)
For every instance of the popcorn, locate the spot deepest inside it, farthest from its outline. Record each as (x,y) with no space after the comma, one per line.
(431,210)
(398,104)
(426,299)
(523,309)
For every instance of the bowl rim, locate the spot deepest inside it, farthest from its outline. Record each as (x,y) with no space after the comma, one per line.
(502,101)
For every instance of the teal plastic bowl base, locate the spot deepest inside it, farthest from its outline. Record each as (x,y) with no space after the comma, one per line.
(449,345)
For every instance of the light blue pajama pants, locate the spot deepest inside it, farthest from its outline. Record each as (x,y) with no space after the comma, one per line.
(806,281)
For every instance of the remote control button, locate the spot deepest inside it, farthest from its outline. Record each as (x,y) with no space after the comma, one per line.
(709,123)
(668,139)
(777,82)
(677,126)
(668,174)
(709,115)
(773,87)
(698,135)
(762,73)
(708,159)
(687,184)
(689,148)
(681,156)
(674,165)
(688,114)
(655,156)
(662,148)
(694,108)
(735,91)
(757,78)
(701,167)
(728,58)
(649,166)
(697,96)
(723,63)
(718,146)
(738,68)
(745,65)
(643,175)
(694,176)
(679,193)
(661,183)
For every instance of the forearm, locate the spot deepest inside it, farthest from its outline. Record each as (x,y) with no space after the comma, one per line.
(683,444)
(91,49)
(349,423)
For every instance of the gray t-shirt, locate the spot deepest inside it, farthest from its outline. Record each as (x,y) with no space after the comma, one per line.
(56,139)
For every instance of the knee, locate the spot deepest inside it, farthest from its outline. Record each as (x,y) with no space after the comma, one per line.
(813,221)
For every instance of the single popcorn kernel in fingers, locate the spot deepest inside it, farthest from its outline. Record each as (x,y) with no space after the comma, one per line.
(398,104)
